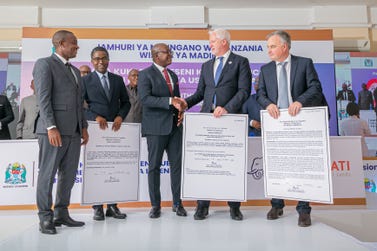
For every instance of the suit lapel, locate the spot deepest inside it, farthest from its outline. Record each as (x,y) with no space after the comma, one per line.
(226,67)
(65,70)
(294,65)
(161,80)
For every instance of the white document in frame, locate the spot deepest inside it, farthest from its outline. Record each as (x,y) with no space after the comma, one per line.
(296,155)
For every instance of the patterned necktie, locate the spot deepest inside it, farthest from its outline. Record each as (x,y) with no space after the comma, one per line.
(168,81)
(219,70)
(68,65)
(283,87)
(105,86)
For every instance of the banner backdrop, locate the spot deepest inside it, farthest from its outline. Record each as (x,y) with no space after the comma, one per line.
(130,48)
(18,172)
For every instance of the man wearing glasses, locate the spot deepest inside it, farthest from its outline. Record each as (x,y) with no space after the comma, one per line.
(107,99)
(161,124)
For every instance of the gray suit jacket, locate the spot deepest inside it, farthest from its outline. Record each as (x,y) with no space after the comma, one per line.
(28,114)
(158,115)
(305,85)
(59,97)
(232,90)
(134,115)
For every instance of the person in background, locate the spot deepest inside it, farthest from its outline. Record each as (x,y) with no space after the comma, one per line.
(346,94)
(6,116)
(252,108)
(354,126)
(25,128)
(135,113)
(60,126)
(107,99)
(365,100)
(84,70)
(291,82)
(158,88)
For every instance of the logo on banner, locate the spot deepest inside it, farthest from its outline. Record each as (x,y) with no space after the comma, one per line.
(15,174)
(341,168)
(256,168)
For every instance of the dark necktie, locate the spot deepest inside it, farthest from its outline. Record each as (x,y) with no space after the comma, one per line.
(168,82)
(105,86)
(68,65)
(217,76)
(283,87)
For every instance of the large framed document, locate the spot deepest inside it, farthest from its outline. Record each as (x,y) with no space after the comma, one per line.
(214,157)
(296,155)
(111,164)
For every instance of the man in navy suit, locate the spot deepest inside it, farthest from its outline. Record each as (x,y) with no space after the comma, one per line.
(304,89)
(252,108)
(161,124)
(107,99)
(221,93)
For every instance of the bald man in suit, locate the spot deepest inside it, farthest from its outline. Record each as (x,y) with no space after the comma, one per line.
(60,126)
(303,90)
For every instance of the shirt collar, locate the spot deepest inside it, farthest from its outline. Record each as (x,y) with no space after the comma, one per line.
(100,74)
(61,58)
(288,60)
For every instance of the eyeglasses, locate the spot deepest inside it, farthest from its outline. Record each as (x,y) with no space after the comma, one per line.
(167,52)
(104,59)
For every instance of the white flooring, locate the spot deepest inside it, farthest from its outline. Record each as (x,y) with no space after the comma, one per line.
(334,228)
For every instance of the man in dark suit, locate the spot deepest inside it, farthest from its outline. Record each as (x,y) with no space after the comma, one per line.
(158,87)
(6,116)
(252,108)
(346,94)
(224,85)
(303,89)
(134,116)
(107,99)
(60,126)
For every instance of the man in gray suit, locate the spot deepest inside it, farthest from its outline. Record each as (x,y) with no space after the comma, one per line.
(224,85)
(28,114)
(60,126)
(158,87)
(134,116)
(303,89)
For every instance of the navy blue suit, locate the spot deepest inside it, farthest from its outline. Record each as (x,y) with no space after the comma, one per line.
(98,104)
(305,88)
(159,125)
(232,90)
(252,108)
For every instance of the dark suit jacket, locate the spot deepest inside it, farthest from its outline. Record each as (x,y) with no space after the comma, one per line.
(60,101)
(252,108)
(305,85)
(232,90)
(350,95)
(98,104)
(6,116)
(158,115)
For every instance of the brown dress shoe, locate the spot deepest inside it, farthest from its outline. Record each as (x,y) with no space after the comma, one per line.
(304,220)
(274,213)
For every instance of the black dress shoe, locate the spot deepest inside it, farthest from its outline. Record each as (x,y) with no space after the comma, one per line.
(201,213)
(113,211)
(98,214)
(47,227)
(155,212)
(68,221)
(274,213)
(179,210)
(235,213)
(304,220)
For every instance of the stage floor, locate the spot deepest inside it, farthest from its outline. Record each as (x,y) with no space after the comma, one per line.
(334,228)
